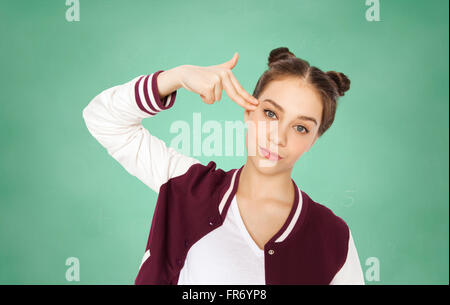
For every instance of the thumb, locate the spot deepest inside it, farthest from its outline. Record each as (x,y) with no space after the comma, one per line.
(232,62)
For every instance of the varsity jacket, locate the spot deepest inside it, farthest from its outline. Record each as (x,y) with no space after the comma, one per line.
(193,198)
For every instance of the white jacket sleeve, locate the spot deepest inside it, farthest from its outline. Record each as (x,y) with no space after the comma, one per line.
(351,272)
(114,118)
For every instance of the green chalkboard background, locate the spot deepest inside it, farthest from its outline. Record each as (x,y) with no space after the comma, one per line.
(383,166)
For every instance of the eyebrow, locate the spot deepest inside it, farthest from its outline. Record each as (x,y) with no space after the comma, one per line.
(301,117)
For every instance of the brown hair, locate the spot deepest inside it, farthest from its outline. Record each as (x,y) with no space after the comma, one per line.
(330,85)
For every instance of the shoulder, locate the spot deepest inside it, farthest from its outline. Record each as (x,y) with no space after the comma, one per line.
(325,220)
(199,174)
(200,181)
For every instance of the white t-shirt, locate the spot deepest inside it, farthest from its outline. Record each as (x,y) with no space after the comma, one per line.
(228,255)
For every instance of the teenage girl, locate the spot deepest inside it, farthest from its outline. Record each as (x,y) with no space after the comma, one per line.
(251,225)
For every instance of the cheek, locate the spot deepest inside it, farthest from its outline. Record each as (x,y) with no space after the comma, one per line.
(297,146)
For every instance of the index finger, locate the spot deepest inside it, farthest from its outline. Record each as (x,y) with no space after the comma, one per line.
(234,95)
(250,98)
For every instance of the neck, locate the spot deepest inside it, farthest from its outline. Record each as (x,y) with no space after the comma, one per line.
(256,185)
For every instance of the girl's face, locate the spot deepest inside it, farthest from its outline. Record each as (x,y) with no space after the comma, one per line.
(286,122)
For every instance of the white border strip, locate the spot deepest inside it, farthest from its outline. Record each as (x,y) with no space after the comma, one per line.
(227,194)
(142,95)
(294,219)
(150,92)
(146,255)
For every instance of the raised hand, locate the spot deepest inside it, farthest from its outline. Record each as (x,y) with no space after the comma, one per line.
(210,81)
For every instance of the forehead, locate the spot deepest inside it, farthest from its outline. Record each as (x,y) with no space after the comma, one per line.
(295,96)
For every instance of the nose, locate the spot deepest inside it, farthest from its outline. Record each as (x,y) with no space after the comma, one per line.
(277,134)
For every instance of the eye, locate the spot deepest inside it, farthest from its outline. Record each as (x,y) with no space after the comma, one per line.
(305,130)
(266,111)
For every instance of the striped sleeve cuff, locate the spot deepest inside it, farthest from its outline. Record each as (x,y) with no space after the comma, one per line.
(147,96)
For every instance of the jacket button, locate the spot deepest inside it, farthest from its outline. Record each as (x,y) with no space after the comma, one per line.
(271,252)
(179,262)
(186,243)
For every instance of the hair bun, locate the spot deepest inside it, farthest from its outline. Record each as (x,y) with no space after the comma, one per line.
(279,54)
(341,81)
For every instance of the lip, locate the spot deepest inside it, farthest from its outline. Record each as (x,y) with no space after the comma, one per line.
(269,154)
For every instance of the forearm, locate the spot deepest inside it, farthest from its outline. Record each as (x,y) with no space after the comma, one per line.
(169,81)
